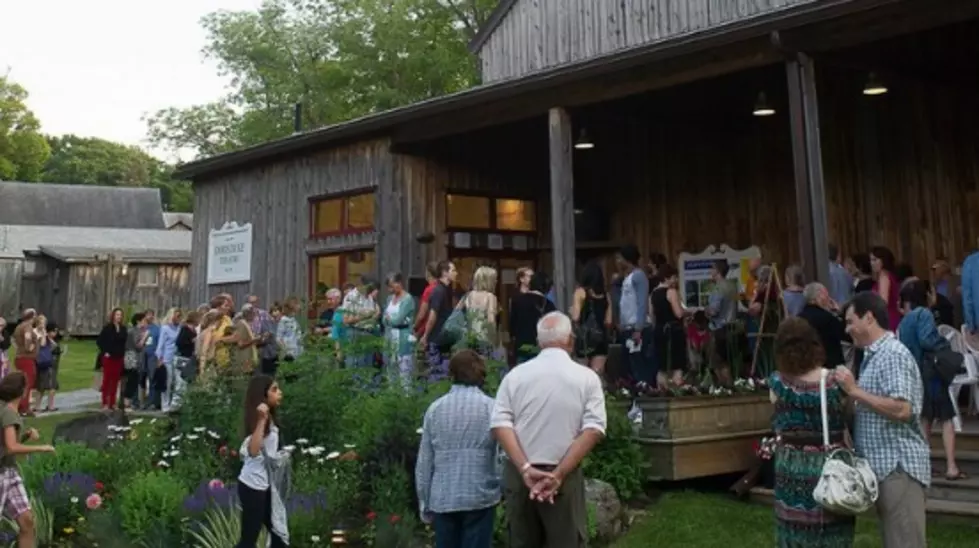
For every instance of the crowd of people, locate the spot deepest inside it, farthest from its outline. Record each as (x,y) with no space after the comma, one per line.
(37,349)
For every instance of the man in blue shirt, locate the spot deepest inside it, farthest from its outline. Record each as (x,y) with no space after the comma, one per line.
(635,333)
(149,357)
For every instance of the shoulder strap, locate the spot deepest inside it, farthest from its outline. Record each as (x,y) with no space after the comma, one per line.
(823,405)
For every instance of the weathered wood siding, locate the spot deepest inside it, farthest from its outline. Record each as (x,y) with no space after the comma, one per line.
(902,169)
(478,164)
(274,197)
(84,296)
(10,274)
(540,34)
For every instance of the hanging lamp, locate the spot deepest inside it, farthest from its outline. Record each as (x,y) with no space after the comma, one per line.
(874,85)
(762,106)
(583,142)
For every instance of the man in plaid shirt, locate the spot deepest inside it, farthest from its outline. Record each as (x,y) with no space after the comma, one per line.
(888,399)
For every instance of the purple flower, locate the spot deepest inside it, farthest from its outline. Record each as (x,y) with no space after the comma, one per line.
(209,496)
(69,484)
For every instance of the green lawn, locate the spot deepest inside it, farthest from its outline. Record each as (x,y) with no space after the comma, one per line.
(709,521)
(77,364)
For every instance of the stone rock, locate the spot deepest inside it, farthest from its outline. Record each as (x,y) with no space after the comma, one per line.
(609,514)
(90,430)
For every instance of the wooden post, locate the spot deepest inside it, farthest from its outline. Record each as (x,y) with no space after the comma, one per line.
(562,207)
(808,162)
(107,284)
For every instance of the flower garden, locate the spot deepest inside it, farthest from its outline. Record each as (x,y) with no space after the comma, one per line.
(164,482)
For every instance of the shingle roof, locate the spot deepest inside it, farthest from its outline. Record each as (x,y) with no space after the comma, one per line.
(51,204)
(81,243)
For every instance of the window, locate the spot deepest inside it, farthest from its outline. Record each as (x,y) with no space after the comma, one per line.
(518,215)
(342,215)
(484,213)
(146,276)
(329,271)
(468,212)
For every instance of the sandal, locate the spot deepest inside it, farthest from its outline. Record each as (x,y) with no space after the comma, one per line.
(960,476)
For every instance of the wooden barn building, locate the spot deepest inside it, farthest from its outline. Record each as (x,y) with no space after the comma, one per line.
(74,252)
(784,124)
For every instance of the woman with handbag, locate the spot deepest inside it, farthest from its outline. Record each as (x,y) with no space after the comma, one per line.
(801,451)
(591,313)
(919,333)
(669,336)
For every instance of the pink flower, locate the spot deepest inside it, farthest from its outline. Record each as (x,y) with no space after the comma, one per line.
(215,484)
(93,501)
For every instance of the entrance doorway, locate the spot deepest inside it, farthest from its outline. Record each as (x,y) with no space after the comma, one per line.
(506,265)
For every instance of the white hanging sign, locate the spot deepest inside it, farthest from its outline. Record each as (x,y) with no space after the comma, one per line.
(229,254)
(694,271)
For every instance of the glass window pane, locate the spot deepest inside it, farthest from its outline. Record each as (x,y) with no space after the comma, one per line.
(516,215)
(359,264)
(327,272)
(360,211)
(327,216)
(467,211)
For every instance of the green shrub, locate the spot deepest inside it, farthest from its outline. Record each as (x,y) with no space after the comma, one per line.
(618,460)
(150,504)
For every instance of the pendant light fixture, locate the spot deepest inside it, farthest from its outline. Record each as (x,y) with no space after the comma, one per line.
(762,106)
(874,85)
(583,142)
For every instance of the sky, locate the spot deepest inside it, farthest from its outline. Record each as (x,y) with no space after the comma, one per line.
(95,68)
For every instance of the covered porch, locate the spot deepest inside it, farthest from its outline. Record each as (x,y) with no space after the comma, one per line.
(783,142)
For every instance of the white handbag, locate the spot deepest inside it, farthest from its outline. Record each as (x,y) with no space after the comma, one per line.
(847,484)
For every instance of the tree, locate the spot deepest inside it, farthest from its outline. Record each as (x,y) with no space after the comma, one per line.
(23,149)
(339,58)
(94,161)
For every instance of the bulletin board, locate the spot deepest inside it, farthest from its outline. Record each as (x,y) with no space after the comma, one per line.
(694,271)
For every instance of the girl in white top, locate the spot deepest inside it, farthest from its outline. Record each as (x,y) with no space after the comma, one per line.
(482,306)
(254,485)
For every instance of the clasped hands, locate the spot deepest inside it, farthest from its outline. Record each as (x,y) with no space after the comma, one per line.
(543,485)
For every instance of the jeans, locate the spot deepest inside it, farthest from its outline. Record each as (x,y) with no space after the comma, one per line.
(470,529)
(642,364)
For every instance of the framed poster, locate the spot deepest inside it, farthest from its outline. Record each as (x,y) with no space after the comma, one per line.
(229,254)
(694,271)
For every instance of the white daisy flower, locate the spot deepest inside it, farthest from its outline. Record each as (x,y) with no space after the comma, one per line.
(199,429)
(192,437)
(349,445)
(333,455)
(320,461)
(289,448)
(176,438)
(315,538)
(153,420)
(163,464)
(214,435)
(74,500)
(419,431)
(302,441)
(136,421)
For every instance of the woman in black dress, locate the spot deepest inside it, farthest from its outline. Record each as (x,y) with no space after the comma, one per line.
(591,313)
(526,309)
(669,336)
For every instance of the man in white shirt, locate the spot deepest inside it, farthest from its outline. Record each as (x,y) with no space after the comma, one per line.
(549,414)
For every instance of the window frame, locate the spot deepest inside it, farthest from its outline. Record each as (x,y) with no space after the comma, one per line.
(156,275)
(342,269)
(344,199)
(494,227)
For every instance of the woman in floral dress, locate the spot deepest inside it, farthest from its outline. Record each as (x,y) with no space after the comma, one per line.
(799,458)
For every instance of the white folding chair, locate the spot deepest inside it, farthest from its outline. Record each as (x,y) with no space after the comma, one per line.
(960,343)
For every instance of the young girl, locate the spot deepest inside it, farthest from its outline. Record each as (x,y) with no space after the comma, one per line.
(16,505)
(261,481)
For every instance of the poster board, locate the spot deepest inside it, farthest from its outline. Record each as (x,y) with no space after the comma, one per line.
(694,271)
(229,254)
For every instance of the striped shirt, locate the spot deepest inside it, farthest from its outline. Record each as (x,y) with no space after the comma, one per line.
(889,370)
(458,466)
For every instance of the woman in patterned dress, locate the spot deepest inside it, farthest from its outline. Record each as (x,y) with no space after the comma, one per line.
(799,458)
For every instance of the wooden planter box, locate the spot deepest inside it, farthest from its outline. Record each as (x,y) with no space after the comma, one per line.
(692,437)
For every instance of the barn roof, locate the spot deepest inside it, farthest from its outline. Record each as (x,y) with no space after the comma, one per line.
(84,243)
(51,204)
(172,219)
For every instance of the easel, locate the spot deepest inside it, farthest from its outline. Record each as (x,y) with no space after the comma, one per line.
(773,277)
